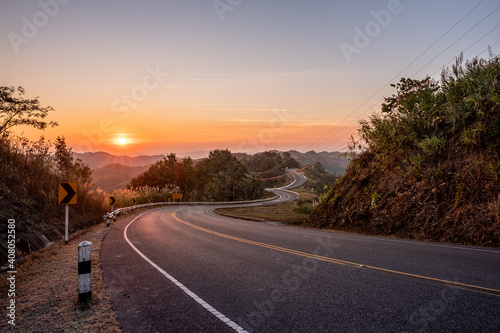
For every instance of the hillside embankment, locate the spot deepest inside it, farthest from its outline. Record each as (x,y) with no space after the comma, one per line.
(429,166)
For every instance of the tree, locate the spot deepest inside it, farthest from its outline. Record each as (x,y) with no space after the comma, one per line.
(222,177)
(289,161)
(219,177)
(164,174)
(67,167)
(186,176)
(16,111)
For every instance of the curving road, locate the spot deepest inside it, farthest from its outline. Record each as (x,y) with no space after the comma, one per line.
(187,269)
(299,179)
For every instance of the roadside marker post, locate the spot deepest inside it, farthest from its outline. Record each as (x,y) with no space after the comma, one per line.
(84,274)
(66,224)
(67,196)
(112,201)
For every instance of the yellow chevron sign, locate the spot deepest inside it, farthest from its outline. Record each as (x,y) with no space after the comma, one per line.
(67,193)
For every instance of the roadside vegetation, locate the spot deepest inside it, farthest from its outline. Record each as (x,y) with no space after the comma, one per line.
(219,177)
(429,165)
(30,173)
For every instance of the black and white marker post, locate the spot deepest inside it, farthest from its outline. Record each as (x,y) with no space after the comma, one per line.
(84,276)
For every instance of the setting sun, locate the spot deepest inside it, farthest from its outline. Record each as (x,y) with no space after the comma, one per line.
(121,141)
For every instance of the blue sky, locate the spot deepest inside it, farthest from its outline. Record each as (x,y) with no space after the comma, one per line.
(240,74)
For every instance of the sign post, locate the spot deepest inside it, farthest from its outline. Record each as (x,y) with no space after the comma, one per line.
(67,196)
(66,224)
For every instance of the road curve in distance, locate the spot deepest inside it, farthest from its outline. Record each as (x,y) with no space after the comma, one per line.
(299,179)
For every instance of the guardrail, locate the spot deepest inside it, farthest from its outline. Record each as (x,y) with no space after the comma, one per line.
(125,210)
(117,212)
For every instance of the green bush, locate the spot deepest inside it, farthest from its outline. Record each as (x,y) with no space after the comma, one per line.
(304,209)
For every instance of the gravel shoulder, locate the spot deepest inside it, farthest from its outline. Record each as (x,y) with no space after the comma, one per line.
(46,290)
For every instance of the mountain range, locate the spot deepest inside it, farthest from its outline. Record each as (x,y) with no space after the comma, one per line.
(116,171)
(100,159)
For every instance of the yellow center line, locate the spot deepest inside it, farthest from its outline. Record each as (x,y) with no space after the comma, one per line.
(483,290)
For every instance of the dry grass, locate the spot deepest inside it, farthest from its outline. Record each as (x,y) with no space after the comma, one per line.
(283,213)
(47,291)
(280,213)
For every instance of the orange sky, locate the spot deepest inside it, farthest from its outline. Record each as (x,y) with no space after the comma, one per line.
(179,76)
(137,136)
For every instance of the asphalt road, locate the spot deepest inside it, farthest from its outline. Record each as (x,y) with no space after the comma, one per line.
(187,269)
(299,180)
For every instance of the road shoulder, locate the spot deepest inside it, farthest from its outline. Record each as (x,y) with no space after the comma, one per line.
(47,290)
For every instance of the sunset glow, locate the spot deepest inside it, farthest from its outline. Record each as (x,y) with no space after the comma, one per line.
(173,76)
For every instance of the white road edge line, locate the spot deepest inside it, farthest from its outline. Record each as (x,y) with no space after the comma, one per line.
(199,300)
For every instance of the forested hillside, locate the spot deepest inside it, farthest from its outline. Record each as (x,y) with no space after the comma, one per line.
(30,173)
(269,166)
(333,162)
(429,166)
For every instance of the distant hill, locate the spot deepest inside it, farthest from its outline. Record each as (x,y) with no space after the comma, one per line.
(115,176)
(100,159)
(111,172)
(195,155)
(332,162)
